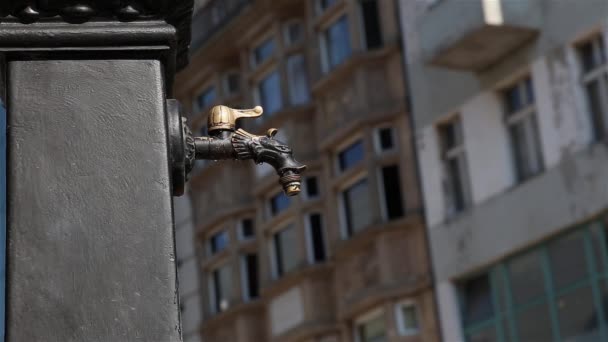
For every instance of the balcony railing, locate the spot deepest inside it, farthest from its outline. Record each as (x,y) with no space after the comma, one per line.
(213,17)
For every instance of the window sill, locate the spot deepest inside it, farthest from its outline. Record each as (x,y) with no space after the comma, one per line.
(296,276)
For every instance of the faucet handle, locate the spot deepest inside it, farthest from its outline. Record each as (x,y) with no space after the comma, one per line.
(224,117)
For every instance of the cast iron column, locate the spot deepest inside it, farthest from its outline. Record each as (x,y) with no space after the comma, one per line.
(90,251)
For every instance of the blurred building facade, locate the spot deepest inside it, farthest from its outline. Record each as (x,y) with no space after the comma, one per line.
(346,260)
(510,107)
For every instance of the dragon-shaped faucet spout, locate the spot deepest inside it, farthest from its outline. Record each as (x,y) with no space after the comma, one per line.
(226,142)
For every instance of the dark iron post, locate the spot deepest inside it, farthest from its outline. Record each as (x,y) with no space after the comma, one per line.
(90,246)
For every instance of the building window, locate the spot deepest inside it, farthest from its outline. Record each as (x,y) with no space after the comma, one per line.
(293,33)
(205,99)
(297,80)
(268,93)
(351,156)
(263,52)
(250,280)
(370,20)
(232,83)
(455,180)
(246,229)
(311,187)
(592,56)
(523,129)
(356,206)
(554,291)
(315,238)
(322,5)
(335,44)
(391,188)
(220,288)
(384,139)
(218,242)
(285,250)
(371,328)
(407,319)
(279,203)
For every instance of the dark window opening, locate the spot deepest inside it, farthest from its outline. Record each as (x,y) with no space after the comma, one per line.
(312,187)
(251,265)
(317,238)
(247,228)
(392,192)
(385,139)
(371,24)
(477,299)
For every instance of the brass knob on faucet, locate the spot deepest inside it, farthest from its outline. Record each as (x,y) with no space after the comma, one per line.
(223,117)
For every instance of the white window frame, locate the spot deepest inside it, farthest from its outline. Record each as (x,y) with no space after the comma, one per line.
(377,143)
(309,242)
(599,74)
(212,290)
(526,113)
(456,152)
(404,331)
(366,317)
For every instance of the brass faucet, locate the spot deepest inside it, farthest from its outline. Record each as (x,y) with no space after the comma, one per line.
(227,142)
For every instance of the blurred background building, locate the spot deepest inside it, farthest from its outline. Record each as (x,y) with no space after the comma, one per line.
(510,106)
(346,260)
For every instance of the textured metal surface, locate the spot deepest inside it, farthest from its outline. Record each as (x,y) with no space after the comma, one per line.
(90,238)
(177,13)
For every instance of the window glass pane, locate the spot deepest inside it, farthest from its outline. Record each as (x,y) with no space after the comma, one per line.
(450,134)
(298,80)
(263,51)
(455,189)
(247,230)
(526,278)
(206,99)
(269,90)
(222,278)
(409,317)
(232,83)
(357,207)
(338,42)
(578,319)
(385,139)
(251,267)
(477,299)
(279,203)
(586,55)
(219,242)
(317,237)
(322,5)
(371,24)
(373,330)
(596,108)
(534,324)
(286,250)
(598,250)
(526,148)
(392,192)
(312,187)
(513,100)
(293,33)
(351,156)
(567,256)
(485,335)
